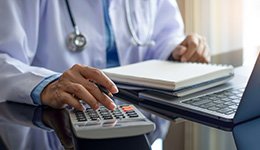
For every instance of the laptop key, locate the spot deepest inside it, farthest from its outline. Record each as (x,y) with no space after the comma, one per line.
(200,102)
(217,102)
(221,105)
(204,106)
(221,96)
(210,104)
(236,101)
(233,107)
(213,108)
(195,99)
(225,99)
(242,90)
(233,97)
(224,110)
(230,112)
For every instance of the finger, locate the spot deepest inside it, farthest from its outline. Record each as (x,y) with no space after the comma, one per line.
(195,58)
(201,46)
(204,56)
(76,77)
(82,93)
(187,56)
(67,98)
(99,77)
(189,38)
(198,53)
(192,44)
(94,90)
(178,52)
(99,95)
(198,58)
(203,60)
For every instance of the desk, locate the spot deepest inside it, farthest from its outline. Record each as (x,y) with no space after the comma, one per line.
(20,128)
(16,126)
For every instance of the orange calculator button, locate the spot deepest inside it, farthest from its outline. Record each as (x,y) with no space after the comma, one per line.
(127,108)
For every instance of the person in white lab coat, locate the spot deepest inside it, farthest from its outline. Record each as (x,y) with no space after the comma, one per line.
(38,65)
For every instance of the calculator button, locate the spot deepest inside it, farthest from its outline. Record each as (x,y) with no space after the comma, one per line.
(82,119)
(118,113)
(130,112)
(120,117)
(107,118)
(133,116)
(127,108)
(104,113)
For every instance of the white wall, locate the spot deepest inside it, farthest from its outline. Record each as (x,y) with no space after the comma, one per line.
(220,21)
(251,38)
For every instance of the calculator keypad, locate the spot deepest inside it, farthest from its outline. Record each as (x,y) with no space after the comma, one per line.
(126,120)
(122,112)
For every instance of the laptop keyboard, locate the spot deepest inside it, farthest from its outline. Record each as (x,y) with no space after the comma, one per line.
(225,102)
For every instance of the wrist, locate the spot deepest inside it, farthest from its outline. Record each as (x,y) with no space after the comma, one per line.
(46,92)
(36,92)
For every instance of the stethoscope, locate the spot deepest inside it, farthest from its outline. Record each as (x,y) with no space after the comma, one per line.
(76,41)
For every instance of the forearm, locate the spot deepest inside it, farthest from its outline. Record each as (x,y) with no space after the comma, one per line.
(19,79)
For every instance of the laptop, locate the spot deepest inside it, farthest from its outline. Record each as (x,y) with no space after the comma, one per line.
(246,135)
(223,106)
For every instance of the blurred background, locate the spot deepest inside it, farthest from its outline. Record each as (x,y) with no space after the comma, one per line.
(228,25)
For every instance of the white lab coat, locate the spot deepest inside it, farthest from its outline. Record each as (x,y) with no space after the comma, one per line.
(33,33)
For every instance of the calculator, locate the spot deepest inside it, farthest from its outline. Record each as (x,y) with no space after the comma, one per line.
(126,120)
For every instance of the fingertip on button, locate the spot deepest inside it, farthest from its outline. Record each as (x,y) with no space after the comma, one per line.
(83,108)
(113,106)
(114,89)
(183,59)
(96,106)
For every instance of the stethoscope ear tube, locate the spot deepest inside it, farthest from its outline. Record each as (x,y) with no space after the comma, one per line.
(151,43)
(135,40)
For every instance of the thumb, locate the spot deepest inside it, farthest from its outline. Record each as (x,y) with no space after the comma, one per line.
(178,52)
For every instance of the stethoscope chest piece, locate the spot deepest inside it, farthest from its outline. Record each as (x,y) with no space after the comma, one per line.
(76,42)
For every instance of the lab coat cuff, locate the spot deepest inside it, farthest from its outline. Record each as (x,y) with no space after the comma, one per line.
(36,92)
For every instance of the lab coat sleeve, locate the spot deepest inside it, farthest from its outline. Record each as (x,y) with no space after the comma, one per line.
(168,30)
(18,45)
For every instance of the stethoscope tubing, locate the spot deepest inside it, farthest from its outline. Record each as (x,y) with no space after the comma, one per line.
(135,39)
(148,40)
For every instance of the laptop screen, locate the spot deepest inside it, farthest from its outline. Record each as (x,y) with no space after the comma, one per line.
(249,106)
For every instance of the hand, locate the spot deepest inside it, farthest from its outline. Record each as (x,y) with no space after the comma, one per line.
(76,84)
(193,49)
